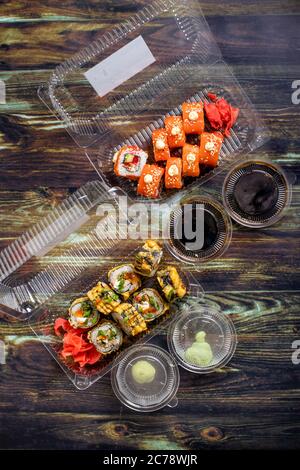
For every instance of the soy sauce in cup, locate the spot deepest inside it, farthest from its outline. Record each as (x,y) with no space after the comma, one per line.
(216,228)
(255,193)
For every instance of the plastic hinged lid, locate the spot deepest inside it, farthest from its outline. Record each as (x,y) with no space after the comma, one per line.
(142,391)
(172,33)
(27,281)
(60,259)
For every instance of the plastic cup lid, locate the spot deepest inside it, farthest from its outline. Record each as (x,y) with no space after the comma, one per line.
(202,339)
(146,378)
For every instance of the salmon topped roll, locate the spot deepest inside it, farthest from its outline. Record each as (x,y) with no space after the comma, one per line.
(160,145)
(175,131)
(210,146)
(150,181)
(129,162)
(193,118)
(190,160)
(173,173)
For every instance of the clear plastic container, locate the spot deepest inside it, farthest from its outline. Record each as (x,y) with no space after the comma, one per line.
(59,260)
(134,96)
(217,228)
(256,193)
(145,390)
(187,329)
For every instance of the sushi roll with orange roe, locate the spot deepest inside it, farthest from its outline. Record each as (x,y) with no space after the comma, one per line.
(193,118)
(173,173)
(129,162)
(150,181)
(175,131)
(160,145)
(210,146)
(190,160)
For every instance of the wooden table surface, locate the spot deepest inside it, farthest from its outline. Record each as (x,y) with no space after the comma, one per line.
(254,402)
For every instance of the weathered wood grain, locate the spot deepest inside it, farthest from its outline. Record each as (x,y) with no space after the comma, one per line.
(255,401)
(42,42)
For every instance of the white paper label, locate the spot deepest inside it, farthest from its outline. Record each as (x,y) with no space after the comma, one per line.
(2,92)
(120,66)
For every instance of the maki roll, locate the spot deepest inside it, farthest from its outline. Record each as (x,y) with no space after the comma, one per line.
(104,298)
(149,304)
(210,146)
(150,181)
(190,160)
(160,145)
(106,337)
(175,131)
(82,313)
(173,173)
(171,283)
(124,280)
(148,258)
(129,162)
(193,118)
(129,319)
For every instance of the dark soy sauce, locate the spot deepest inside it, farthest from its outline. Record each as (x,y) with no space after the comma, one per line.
(256,193)
(211,230)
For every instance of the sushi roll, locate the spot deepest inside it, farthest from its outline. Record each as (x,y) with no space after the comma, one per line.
(160,145)
(129,319)
(129,162)
(149,304)
(82,313)
(104,298)
(175,131)
(148,258)
(193,118)
(171,283)
(190,160)
(173,173)
(124,280)
(106,337)
(210,146)
(150,181)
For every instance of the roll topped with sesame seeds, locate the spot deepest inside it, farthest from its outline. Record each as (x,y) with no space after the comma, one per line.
(175,131)
(150,181)
(210,146)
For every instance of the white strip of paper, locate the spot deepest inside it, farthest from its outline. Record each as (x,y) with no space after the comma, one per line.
(120,66)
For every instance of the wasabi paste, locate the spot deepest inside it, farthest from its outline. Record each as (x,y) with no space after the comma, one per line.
(143,372)
(200,353)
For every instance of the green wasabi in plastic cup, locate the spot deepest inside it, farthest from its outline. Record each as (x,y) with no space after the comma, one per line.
(200,353)
(143,372)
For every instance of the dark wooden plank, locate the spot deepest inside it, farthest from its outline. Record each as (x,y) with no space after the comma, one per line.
(45,45)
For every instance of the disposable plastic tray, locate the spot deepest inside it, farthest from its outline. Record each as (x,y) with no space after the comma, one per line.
(187,65)
(59,260)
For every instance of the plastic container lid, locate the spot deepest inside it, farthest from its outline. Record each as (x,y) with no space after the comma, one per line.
(217,229)
(255,193)
(219,335)
(153,394)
